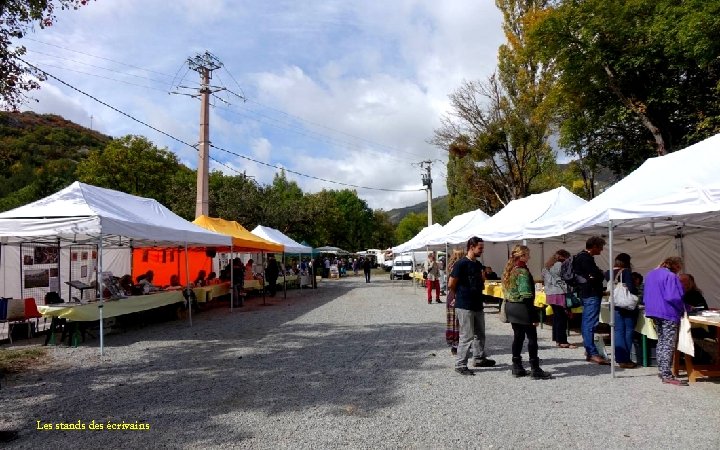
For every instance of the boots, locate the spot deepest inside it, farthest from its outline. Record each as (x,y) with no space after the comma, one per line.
(536,373)
(517,369)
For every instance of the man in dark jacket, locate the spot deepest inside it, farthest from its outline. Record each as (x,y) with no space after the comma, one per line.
(271,274)
(590,289)
(367,265)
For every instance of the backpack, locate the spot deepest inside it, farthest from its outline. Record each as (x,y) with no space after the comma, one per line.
(566,271)
(568,275)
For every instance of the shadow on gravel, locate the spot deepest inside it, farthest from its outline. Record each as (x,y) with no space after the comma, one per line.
(207,390)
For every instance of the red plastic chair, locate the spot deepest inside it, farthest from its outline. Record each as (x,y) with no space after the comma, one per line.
(31,312)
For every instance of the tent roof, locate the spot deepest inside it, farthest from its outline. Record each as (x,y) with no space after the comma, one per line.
(449,234)
(242,239)
(418,241)
(664,192)
(82,213)
(273,235)
(509,223)
(329,249)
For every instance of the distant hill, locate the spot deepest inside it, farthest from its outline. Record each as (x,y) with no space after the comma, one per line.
(440,208)
(38,155)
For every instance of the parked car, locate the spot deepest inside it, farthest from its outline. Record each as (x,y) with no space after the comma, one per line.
(387,265)
(402,267)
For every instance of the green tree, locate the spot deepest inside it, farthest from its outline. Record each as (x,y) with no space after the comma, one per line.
(383,232)
(17,18)
(410,226)
(502,124)
(635,77)
(282,204)
(134,165)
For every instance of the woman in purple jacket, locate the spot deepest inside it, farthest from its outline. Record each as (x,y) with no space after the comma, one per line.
(663,303)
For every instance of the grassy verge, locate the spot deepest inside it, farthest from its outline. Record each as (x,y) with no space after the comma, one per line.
(17,360)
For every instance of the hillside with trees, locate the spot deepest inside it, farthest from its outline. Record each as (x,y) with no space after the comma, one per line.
(41,154)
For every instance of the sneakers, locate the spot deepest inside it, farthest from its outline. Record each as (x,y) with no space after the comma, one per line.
(464,371)
(674,381)
(483,362)
(437,300)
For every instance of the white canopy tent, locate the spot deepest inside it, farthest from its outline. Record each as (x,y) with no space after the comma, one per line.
(673,198)
(82,214)
(418,241)
(271,234)
(508,225)
(450,233)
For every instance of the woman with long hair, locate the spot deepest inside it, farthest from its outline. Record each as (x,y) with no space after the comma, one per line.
(452,333)
(519,293)
(556,290)
(625,319)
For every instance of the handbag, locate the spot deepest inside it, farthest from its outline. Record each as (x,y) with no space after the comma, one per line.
(685,341)
(622,296)
(424,275)
(572,300)
(502,315)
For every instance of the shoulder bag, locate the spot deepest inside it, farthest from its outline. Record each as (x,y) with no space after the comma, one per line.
(622,296)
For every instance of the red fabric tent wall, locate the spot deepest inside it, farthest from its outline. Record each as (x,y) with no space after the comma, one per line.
(165,262)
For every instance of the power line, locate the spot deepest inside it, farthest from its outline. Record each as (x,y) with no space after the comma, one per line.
(298,118)
(289,126)
(214,146)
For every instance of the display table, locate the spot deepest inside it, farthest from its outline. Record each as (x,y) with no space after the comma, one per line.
(495,289)
(694,372)
(205,294)
(86,312)
(252,285)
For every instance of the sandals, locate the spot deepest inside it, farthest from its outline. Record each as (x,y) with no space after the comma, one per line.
(567,345)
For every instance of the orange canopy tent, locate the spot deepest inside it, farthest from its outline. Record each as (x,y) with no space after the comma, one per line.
(166,262)
(243,240)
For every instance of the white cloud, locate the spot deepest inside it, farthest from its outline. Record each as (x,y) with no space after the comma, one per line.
(369,79)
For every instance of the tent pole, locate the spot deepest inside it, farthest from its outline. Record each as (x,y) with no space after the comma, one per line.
(445,267)
(284,279)
(98,275)
(232,281)
(611,280)
(262,280)
(187,274)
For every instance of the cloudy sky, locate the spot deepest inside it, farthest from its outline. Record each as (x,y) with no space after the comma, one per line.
(348,91)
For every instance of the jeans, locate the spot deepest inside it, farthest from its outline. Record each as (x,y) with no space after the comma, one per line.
(367,276)
(590,319)
(625,321)
(560,324)
(472,333)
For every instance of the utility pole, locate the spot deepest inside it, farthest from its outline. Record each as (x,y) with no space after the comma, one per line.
(427,182)
(204,64)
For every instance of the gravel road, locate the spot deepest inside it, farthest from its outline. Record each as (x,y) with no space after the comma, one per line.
(347,365)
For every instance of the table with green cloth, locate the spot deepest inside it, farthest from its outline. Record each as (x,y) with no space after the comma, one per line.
(644,326)
(86,312)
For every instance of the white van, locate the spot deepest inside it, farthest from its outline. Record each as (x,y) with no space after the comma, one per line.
(403,265)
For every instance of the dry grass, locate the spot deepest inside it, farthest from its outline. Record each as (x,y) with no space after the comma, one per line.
(17,360)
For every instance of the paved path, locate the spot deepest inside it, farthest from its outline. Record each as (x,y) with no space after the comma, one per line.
(348,365)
